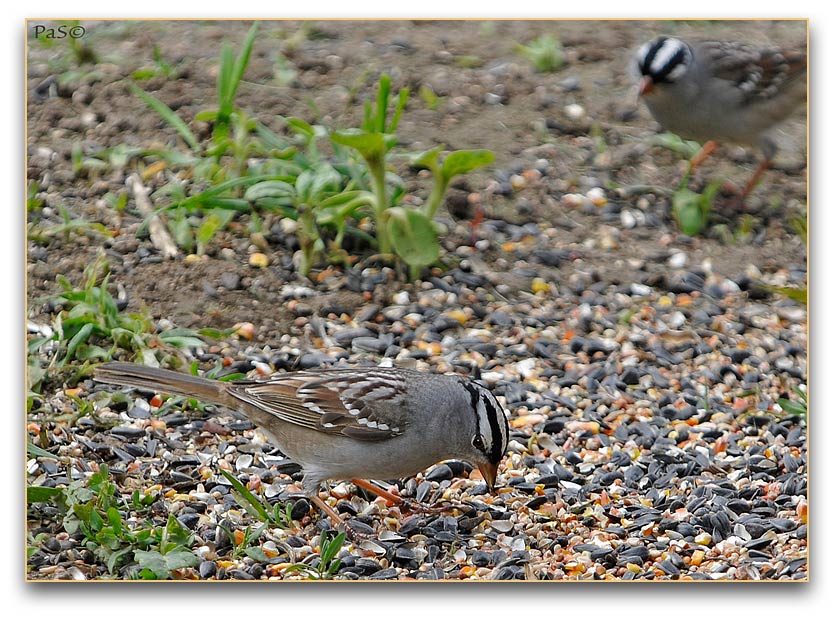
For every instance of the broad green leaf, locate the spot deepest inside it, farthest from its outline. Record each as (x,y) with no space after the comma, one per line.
(115,520)
(688,210)
(257,554)
(797,294)
(461,162)
(369,145)
(95,521)
(676,144)
(160,566)
(41,494)
(413,236)
(269,189)
(427,159)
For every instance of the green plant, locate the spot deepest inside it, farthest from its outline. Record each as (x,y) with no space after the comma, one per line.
(799,294)
(690,209)
(196,214)
(41,232)
(328,564)
(410,233)
(799,406)
(33,200)
(545,53)
(373,142)
(799,224)
(285,73)
(160,68)
(93,512)
(90,326)
(229,77)
(469,61)
(673,142)
(169,116)
(429,97)
(313,177)
(278,515)
(72,60)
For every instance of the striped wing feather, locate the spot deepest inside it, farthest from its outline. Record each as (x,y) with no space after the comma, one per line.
(331,402)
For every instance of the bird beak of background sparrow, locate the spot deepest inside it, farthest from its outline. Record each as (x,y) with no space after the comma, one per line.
(646,86)
(489,472)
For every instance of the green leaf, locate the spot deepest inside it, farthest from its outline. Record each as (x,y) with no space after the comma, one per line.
(676,144)
(427,159)
(797,294)
(691,210)
(95,520)
(242,60)
(168,116)
(160,566)
(33,450)
(80,337)
(201,199)
(116,558)
(370,145)
(413,236)
(217,220)
(314,184)
(115,520)
(256,553)
(301,126)
(792,407)
(461,162)
(251,503)
(41,494)
(331,548)
(181,231)
(381,104)
(175,534)
(402,98)
(269,189)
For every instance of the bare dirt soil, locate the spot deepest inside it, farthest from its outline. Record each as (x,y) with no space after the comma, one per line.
(490,97)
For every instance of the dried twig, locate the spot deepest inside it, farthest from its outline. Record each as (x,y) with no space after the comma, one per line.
(159,235)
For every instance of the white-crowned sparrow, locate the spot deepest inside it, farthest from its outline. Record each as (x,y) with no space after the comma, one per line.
(352,423)
(721,90)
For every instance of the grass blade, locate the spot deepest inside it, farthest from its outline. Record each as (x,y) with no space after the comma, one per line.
(168,116)
(251,503)
(242,60)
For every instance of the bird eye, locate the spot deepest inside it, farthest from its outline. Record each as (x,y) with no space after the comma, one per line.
(478,442)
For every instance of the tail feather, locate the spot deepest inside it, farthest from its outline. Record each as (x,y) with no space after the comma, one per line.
(164,381)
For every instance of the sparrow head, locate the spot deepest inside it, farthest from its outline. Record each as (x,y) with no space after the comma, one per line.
(490,431)
(661,61)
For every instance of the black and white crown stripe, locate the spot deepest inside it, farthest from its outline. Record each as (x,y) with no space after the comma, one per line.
(664,59)
(488,414)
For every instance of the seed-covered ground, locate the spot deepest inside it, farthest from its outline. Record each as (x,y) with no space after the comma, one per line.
(654,381)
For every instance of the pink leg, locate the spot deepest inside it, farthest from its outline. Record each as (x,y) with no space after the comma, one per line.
(702,155)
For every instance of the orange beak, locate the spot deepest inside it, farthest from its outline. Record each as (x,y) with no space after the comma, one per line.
(646,86)
(489,472)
